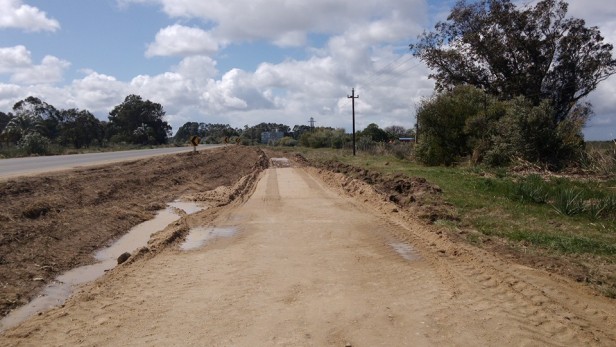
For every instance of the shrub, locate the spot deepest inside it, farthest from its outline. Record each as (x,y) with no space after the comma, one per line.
(34,143)
(568,202)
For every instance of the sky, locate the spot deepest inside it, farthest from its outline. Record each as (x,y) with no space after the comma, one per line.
(241,62)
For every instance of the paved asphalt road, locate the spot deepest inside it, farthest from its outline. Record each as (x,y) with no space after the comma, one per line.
(34,165)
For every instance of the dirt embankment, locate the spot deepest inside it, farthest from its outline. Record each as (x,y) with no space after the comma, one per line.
(52,223)
(415,195)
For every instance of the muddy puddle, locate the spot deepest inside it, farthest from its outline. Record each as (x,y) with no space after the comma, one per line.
(280,162)
(57,292)
(405,251)
(199,237)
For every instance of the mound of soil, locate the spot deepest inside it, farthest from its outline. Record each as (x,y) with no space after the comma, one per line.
(415,194)
(52,223)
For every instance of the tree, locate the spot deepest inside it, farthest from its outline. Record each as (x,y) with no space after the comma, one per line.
(442,124)
(216,133)
(324,137)
(375,133)
(4,120)
(254,133)
(299,130)
(396,131)
(139,122)
(49,117)
(22,124)
(79,128)
(187,130)
(535,52)
(466,121)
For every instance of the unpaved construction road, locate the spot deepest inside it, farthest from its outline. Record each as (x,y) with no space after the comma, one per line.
(308,265)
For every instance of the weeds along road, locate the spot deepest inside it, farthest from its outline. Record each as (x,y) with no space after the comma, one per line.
(308,266)
(34,165)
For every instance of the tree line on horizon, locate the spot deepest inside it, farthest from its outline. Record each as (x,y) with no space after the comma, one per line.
(34,127)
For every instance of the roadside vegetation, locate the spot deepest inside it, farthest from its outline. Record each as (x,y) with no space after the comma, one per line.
(35,127)
(564,223)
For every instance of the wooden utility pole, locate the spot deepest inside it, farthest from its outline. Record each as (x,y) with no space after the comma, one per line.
(353,97)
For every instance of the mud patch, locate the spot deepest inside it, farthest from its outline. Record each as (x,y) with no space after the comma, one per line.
(199,237)
(280,162)
(405,251)
(63,286)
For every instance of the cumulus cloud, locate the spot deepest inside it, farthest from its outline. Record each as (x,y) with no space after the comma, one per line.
(183,41)
(13,58)
(17,62)
(96,92)
(287,22)
(15,14)
(51,70)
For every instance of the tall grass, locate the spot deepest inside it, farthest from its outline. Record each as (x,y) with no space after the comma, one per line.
(565,197)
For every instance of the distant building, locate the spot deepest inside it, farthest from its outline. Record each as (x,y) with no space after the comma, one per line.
(271,136)
(406,139)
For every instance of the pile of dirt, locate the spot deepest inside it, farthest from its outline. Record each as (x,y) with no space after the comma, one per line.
(414,194)
(55,222)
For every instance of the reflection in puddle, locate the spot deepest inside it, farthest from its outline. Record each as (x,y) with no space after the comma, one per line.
(198,237)
(280,162)
(407,252)
(56,293)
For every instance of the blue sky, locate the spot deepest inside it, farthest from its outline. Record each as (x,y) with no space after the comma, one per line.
(239,62)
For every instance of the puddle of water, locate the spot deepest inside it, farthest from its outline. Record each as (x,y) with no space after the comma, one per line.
(407,252)
(198,237)
(280,162)
(56,293)
(187,206)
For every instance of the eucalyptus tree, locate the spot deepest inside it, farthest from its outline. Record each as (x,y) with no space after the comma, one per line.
(537,52)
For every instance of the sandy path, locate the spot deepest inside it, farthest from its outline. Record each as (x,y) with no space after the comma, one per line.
(308,267)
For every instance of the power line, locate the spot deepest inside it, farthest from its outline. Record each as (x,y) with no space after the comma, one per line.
(389,69)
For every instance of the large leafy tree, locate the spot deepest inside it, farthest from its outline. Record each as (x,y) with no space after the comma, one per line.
(536,52)
(22,124)
(79,128)
(48,117)
(4,120)
(375,133)
(139,121)
(187,130)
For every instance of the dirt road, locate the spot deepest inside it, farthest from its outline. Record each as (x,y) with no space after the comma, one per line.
(308,266)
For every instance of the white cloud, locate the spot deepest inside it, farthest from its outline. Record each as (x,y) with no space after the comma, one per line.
(9,94)
(15,14)
(13,58)
(183,41)
(51,70)
(97,93)
(287,22)
(17,62)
